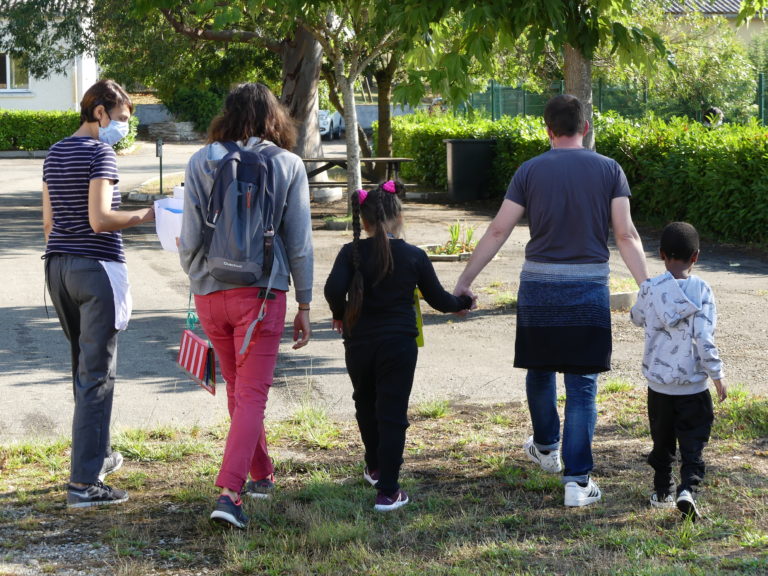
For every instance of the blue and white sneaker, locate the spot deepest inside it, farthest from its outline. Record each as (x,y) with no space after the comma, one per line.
(229,513)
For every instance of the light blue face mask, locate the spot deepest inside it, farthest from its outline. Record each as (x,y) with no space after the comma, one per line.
(114,132)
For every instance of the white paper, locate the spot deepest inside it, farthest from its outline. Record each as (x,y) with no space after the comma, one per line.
(168,215)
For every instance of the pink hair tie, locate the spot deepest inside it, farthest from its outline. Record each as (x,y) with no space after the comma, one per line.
(362,195)
(389,186)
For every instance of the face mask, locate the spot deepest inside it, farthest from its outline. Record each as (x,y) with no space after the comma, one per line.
(114,132)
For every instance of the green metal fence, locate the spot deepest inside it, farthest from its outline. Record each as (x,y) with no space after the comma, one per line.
(629,101)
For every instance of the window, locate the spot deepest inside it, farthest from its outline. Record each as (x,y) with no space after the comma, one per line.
(13,76)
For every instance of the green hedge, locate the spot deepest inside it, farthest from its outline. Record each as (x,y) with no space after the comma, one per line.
(28,130)
(421,137)
(678,170)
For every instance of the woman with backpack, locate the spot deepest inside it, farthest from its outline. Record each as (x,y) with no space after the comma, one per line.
(245,322)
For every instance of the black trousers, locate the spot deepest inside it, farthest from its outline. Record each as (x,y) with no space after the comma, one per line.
(82,295)
(684,421)
(382,371)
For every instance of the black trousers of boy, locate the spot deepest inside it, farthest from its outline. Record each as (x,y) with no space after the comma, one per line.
(381,371)
(679,420)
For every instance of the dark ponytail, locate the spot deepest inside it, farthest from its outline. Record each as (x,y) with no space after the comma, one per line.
(355,292)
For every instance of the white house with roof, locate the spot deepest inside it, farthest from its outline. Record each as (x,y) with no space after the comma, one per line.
(728,9)
(20,91)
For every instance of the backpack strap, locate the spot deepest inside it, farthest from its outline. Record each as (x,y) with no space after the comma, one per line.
(268,152)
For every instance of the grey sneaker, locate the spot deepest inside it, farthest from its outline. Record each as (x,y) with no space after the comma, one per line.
(260,489)
(576,495)
(112,463)
(94,495)
(548,462)
(229,513)
(665,501)
(687,505)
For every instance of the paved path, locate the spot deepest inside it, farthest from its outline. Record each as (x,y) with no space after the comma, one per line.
(465,360)
(151,391)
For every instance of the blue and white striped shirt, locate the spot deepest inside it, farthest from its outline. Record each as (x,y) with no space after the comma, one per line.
(68,169)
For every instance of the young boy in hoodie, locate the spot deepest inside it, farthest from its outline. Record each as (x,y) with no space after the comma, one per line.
(677,310)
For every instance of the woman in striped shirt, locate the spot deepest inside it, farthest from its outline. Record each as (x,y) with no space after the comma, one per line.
(87,278)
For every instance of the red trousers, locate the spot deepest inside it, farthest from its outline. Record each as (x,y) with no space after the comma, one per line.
(225,317)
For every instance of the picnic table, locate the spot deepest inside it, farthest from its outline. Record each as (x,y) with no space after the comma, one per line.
(328,162)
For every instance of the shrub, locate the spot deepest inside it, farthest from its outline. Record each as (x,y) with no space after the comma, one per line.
(421,137)
(31,130)
(196,105)
(717,179)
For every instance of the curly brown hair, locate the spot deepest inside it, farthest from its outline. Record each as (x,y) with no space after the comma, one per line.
(252,110)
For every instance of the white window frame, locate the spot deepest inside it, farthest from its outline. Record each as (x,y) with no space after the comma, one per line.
(8,76)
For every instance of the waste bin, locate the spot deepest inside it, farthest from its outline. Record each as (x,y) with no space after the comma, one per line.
(469,168)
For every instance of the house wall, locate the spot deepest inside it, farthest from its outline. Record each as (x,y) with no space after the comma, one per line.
(59,92)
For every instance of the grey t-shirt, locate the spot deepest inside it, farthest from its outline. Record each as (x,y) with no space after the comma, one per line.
(567,193)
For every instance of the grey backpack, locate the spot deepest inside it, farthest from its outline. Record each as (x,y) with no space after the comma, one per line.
(239,232)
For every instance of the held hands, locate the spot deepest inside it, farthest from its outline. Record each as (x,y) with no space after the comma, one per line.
(722,389)
(301,329)
(461,290)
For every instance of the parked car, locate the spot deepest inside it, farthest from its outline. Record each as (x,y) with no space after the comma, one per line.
(331,125)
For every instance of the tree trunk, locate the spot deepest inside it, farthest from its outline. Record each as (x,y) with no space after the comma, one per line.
(578,82)
(384,78)
(333,96)
(354,179)
(302,57)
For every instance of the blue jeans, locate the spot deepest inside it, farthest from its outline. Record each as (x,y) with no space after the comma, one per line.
(580,418)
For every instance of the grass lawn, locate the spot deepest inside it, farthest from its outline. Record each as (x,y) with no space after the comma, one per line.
(478,505)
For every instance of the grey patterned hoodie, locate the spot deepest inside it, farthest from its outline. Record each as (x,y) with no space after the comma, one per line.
(679,318)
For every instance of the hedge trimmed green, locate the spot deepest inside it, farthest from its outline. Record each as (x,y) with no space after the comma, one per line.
(678,169)
(31,130)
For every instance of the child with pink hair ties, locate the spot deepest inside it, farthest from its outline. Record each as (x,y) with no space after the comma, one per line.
(370,291)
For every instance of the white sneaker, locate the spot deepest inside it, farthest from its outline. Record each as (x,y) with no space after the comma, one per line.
(575,495)
(548,462)
(667,502)
(687,505)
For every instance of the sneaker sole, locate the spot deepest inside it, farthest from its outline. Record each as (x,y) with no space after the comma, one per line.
(390,507)
(224,519)
(93,503)
(660,505)
(258,495)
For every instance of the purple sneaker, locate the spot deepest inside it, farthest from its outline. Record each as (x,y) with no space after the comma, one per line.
(372,477)
(386,503)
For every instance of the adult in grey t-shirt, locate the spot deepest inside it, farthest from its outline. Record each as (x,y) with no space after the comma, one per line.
(567,194)
(571,195)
